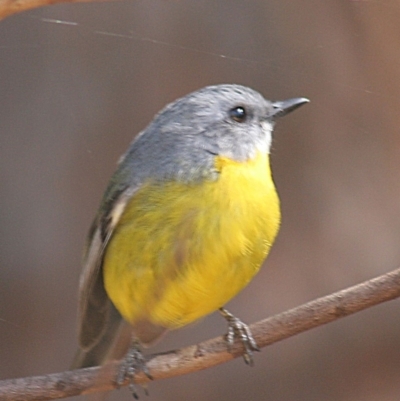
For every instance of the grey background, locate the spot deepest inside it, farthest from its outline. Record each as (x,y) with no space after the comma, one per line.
(73,96)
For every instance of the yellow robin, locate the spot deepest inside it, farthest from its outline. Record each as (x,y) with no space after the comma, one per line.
(185,223)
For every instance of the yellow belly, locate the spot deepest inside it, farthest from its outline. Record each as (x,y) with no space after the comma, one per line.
(182,251)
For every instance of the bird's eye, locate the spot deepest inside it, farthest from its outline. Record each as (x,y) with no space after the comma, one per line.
(238,114)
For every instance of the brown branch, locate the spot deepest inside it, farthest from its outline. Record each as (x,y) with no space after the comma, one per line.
(212,352)
(9,7)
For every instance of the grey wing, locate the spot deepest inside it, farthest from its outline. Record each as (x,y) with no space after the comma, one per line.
(96,312)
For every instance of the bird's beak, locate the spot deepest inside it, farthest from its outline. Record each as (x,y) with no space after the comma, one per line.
(283,107)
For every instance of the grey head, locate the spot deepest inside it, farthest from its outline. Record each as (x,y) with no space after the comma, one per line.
(183,139)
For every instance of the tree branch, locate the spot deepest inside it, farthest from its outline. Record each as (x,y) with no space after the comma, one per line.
(212,352)
(9,7)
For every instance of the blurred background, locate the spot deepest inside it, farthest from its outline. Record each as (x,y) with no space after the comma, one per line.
(79,81)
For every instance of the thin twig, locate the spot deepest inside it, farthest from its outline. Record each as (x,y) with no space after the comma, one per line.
(9,7)
(212,352)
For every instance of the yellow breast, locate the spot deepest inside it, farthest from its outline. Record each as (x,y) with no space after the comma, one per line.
(182,251)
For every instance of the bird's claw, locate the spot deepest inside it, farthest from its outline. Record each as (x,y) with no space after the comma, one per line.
(238,329)
(133,362)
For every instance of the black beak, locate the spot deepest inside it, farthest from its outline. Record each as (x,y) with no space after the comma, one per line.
(283,107)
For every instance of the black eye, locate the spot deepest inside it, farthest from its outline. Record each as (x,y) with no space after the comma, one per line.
(238,114)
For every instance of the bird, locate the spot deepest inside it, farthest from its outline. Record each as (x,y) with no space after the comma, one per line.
(184,225)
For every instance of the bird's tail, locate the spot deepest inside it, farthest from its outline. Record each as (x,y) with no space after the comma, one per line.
(113,344)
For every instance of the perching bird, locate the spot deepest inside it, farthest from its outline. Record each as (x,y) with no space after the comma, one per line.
(185,223)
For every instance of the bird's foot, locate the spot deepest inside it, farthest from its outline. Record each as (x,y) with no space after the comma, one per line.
(133,362)
(238,329)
